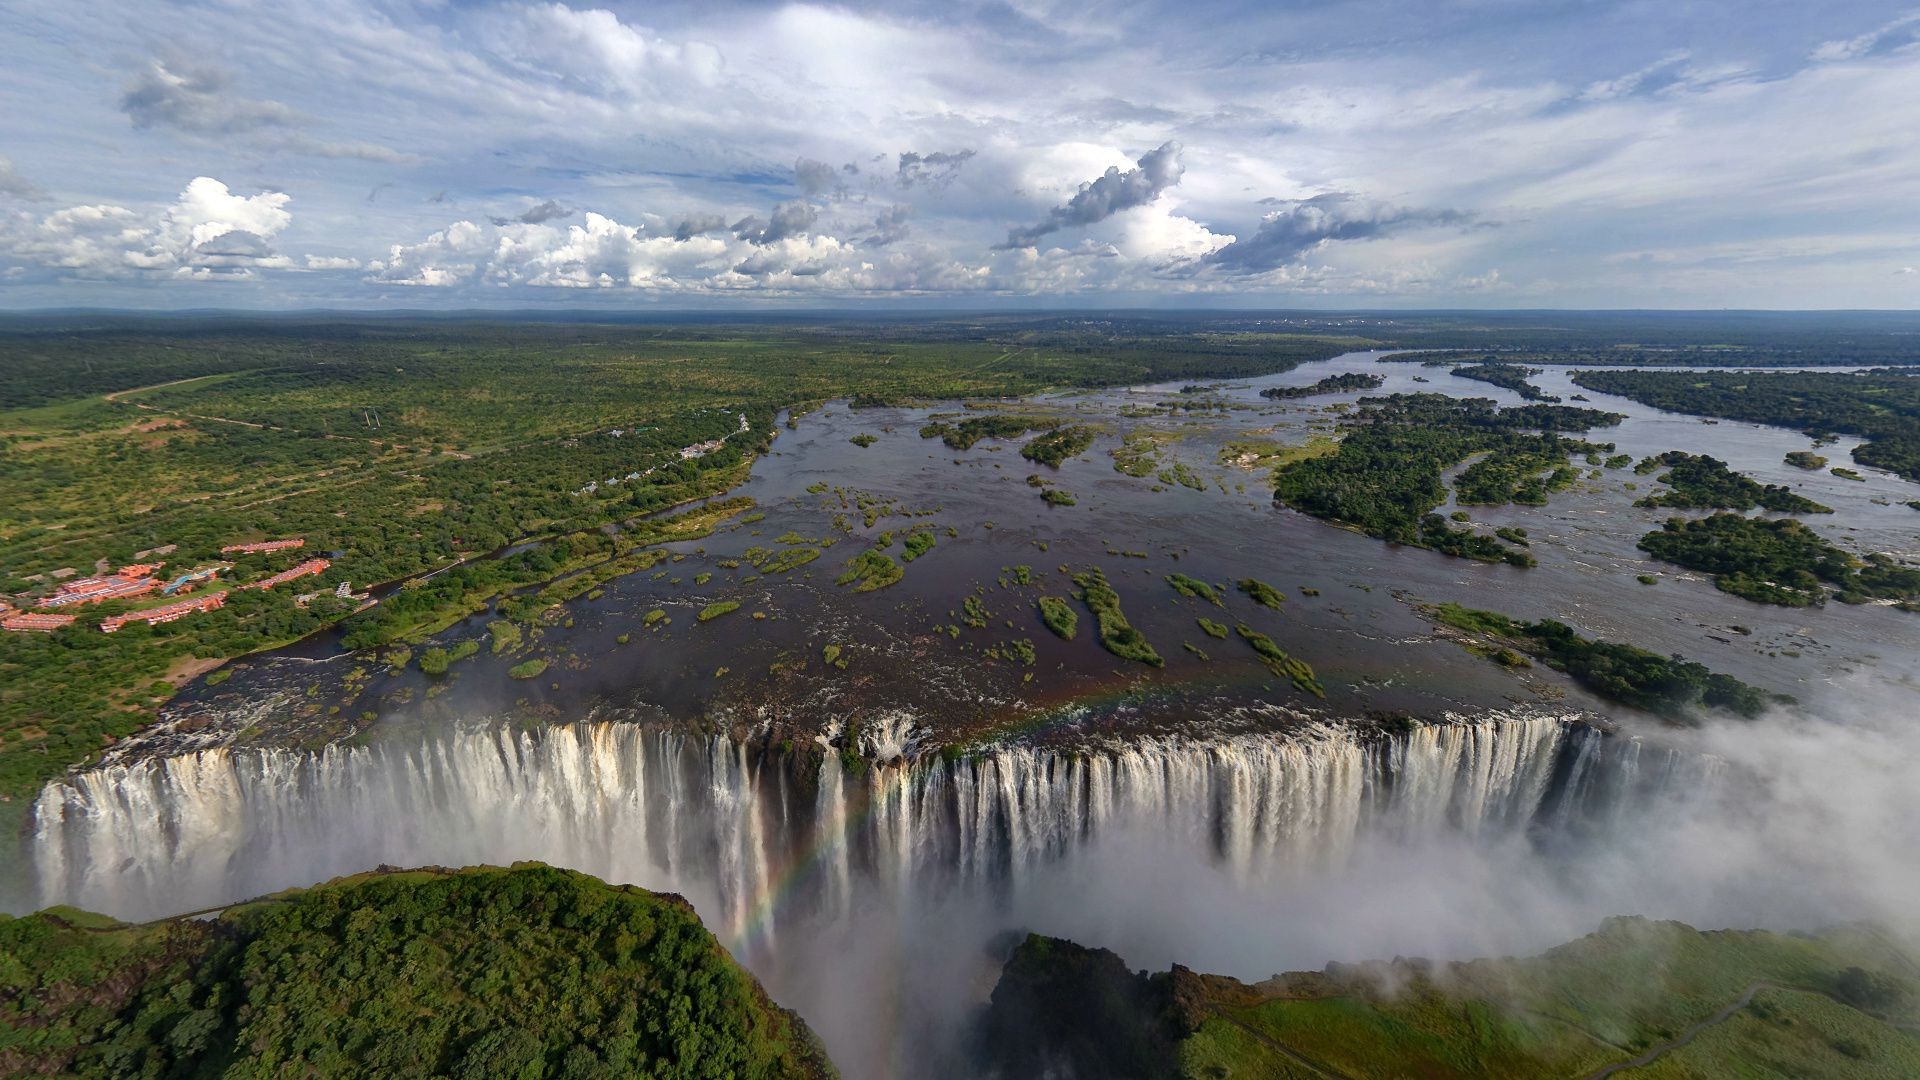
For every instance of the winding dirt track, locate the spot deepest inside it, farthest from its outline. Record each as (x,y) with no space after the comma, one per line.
(1687,1036)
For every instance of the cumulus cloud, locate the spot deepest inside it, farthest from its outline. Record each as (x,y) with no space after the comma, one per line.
(1303,225)
(1114,191)
(789,219)
(933,170)
(207,232)
(12,183)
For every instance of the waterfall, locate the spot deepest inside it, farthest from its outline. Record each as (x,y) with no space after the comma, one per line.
(758,837)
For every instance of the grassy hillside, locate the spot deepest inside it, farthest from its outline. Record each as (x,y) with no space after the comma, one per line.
(528,972)
(1636,999)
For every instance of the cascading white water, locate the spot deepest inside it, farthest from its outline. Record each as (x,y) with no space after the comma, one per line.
(741,830)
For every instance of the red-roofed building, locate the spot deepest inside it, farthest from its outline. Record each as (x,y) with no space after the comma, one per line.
(35,622)
(311,566)
(165,613)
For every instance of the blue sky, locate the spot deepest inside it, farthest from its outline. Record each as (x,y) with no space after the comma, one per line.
(437,153)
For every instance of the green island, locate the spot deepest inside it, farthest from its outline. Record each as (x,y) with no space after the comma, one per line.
(1262,593)
(1881,407)
(1805,459)
(1280,662)
(1059,617)
(870,570)
(1058,445)
(1507,376)
(484,972)
(1780,561)
(1670,686)
(1385,477)
(1117,635)
(968,432)
(715,610)
(1194,587)
(1342,383)
(864,440)
(1674,1001)
(1700,482)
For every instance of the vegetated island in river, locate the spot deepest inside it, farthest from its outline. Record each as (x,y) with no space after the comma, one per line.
(1672,686)
(1385,477)
(1344,382)
(1700,482)
(1842,1003)
(484,972)
(1780,561)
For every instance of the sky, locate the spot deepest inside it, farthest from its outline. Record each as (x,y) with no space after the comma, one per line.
(659,156)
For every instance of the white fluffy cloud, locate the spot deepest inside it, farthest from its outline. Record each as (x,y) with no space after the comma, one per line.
(207,232)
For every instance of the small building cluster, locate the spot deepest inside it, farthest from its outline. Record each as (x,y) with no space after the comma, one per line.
(165,613)
(139,579)
(311,566)
(135,579)
(264,546)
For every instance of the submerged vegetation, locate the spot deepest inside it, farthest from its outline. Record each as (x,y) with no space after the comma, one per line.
(1262,593)
(1194,587)
(1668,685)
(870,570)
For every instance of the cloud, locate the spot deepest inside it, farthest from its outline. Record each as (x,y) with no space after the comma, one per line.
(535,215)
(789,219)
(12,183)
(1853,48)
(207,232)
(1301,226)
(328,262)
(593,49)
(1114,191)
(889,227)
(688,226)
(815,177)
(199,100)
(933,170)
(196,98)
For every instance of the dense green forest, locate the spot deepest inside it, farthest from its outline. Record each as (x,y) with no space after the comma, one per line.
(1700,482)
(1842,1003)
(400,447)
(1780,562)
(529,972)
(1385,476)
(1881,407)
